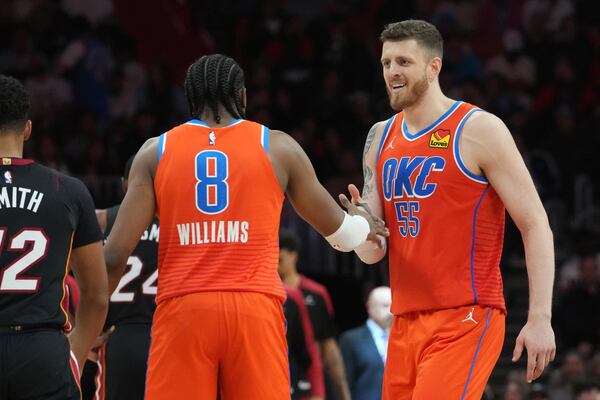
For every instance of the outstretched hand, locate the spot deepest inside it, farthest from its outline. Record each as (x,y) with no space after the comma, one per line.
(357,207)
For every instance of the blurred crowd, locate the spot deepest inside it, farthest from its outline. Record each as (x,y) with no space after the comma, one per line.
(105,75)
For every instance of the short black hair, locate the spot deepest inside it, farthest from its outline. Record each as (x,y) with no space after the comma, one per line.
(14,104)
(215,80)
(128,167)
(288,240)
(425,33)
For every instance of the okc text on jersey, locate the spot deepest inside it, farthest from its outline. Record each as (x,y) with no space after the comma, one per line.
(405,181)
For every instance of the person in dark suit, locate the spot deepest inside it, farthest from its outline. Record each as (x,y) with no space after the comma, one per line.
(364,348)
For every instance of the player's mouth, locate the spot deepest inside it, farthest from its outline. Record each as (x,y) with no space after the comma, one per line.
(396,88)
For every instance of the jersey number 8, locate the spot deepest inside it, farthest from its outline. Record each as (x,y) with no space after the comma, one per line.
(212,190)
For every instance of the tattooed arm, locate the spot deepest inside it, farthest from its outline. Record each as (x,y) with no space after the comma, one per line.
(370,198)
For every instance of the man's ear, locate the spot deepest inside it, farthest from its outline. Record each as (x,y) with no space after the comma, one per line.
(434,69)
(27,130)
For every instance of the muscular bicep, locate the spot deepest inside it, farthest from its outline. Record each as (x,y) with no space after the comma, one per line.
(137,209)
(496,154)
(304,191)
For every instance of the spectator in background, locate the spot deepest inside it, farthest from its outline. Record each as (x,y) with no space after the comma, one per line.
(515,391)
(514,65)
(562,381)
(364,348)
(577,316)
(320,310)
(538,392)
(302,349)
(587,390)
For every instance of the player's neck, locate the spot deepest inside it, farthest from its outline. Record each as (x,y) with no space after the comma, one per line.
(209,119)
(10,147)
(427,110)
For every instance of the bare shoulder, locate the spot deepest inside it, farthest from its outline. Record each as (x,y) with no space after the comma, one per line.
(485,128)
(486,142)
(282,144)
(147,156)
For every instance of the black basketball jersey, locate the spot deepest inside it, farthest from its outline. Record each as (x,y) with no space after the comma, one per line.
(133,301)
(43,215)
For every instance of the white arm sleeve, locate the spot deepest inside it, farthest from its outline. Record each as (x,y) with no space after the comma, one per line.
(352,233)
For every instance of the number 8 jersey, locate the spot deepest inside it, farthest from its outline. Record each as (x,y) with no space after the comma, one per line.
(446,223)
(43,215)
(219,205)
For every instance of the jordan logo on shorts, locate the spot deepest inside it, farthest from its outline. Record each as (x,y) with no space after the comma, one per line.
(470,316)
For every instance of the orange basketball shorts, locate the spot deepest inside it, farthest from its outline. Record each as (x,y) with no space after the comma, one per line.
(445,354)
(234,338)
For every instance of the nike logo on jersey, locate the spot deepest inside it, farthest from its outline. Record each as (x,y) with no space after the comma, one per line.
(408,177)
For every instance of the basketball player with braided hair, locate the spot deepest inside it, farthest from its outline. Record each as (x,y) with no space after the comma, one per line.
(217,183)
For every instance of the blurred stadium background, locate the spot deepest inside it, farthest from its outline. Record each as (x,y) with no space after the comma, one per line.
(105,75)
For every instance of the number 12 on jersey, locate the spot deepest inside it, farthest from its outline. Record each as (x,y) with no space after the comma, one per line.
(212,190)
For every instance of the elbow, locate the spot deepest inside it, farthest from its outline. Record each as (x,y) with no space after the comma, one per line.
(115,259)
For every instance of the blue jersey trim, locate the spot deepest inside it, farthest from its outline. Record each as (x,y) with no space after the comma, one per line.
(264,139)
(204,124)
(411,136)
(386,131)
(473,244)
(487,321)
(197,122)
(459,161)
(162,141)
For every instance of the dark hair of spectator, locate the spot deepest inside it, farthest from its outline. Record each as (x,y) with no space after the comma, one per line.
(128,167)
(426,35)
(288,240)
(14,104)
(212,81)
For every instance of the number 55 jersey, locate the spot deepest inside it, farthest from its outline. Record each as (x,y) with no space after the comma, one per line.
(446,223)
(43,215)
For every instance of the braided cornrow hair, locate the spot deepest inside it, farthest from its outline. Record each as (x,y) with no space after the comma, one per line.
(215,80)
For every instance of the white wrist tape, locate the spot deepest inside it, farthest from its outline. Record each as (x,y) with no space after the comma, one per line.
(352,233)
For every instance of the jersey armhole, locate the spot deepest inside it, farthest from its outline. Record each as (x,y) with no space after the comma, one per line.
(384,136)
(162,145)
(458,158)
(264,138)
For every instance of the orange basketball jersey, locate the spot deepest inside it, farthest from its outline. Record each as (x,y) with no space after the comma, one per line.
(446,223)
(219,205)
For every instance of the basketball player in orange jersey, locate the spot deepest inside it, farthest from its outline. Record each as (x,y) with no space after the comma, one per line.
(218,182)
(441,173)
